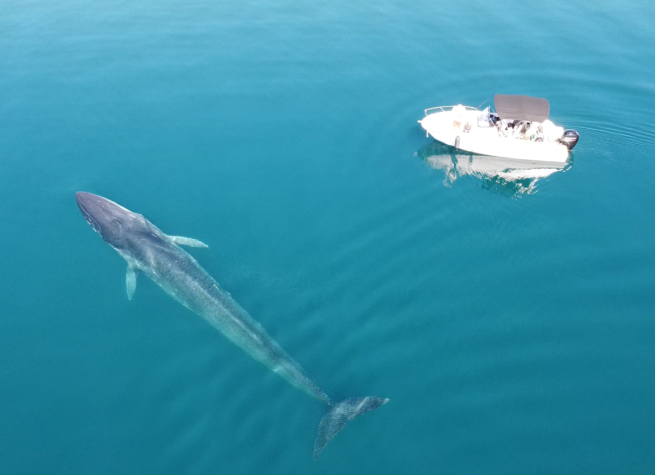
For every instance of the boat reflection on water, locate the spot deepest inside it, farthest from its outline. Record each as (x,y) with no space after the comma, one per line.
(502,175)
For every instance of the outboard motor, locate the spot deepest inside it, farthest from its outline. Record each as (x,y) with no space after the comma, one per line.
(569,138)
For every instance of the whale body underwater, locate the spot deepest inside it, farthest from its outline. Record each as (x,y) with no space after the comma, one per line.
(149,251)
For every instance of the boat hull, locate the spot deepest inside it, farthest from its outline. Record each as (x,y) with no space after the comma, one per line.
(464,133)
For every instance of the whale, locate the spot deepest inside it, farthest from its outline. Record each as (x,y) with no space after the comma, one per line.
(147,250)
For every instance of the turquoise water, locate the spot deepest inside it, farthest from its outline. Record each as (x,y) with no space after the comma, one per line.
(513,331)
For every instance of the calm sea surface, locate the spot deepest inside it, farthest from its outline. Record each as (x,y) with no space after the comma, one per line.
(511,324)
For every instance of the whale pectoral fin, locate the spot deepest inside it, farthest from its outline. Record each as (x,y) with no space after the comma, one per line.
(130,281)
(185,241)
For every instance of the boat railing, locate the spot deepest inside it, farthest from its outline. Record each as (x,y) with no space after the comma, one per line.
(434,110)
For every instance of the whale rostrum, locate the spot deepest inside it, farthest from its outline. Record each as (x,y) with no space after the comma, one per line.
(149,251)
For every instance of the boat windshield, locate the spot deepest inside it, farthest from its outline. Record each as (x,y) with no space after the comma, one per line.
(484,119)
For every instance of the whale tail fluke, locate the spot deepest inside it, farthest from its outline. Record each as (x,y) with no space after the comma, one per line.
(340,414)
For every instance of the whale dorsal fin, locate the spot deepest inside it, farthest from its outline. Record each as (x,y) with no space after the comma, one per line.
(130,281)
(185,241)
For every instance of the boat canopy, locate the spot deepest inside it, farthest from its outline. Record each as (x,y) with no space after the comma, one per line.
(529,108)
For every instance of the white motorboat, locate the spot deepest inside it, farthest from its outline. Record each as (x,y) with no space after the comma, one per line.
(518,129)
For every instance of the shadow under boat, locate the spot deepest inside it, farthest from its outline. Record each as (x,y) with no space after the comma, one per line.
(503,175)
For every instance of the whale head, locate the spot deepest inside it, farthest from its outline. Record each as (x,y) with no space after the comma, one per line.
(113,222)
